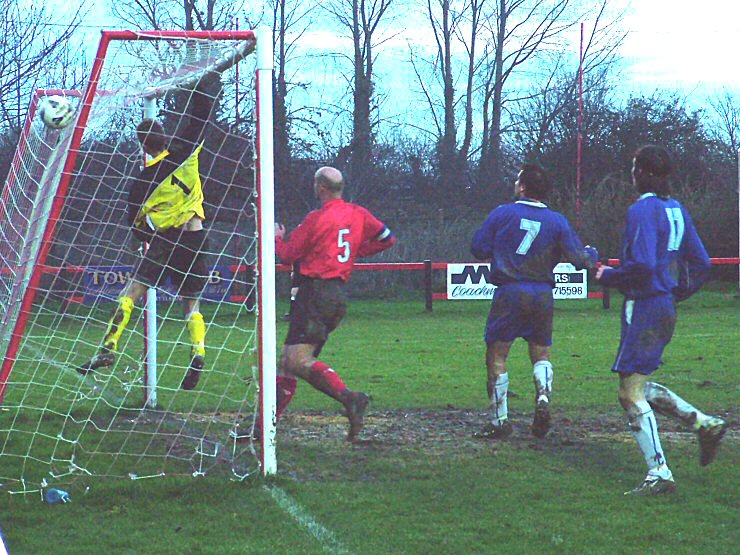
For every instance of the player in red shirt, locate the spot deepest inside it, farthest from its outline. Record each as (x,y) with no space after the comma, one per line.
(325,246)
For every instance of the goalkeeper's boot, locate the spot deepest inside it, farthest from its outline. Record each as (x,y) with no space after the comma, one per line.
(193,374)
(105,357)
(655,484)
(502,430)
(710,434)
(356,404)
(541,421)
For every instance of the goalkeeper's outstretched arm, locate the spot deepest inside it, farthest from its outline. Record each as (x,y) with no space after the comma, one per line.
(200,105)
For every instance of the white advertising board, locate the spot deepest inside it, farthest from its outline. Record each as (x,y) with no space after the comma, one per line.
(473,281)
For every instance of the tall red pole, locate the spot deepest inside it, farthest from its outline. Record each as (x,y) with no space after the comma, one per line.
(579,138)
(236,98)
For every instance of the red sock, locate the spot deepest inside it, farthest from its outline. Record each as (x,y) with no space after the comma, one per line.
(326,380)
(286,386)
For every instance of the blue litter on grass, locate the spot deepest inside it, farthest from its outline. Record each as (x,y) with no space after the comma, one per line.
(54,496)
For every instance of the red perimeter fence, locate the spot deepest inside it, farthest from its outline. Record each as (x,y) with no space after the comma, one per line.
(427,266)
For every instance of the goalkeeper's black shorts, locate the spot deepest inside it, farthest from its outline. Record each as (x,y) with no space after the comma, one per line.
(319,307)
(178,255)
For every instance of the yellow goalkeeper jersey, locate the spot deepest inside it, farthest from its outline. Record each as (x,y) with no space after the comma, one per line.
(177,198)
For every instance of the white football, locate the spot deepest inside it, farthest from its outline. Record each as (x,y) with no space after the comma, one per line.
(56,111)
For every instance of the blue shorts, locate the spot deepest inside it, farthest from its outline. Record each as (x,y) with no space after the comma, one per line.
(521,309)
(647,327)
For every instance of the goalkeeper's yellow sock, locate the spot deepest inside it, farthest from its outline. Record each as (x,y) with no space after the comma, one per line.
(197,330)
(118,323)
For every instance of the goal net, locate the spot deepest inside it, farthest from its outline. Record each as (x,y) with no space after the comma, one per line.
(67,252)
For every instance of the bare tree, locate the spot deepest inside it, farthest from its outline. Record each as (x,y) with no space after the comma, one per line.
(533,118)
(480,45)
(188,15)
(361,18)
(453,24)
(290,21)
(32,49)
(728,111)
(519,29)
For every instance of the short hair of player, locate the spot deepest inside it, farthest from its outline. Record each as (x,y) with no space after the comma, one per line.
(653,169)
(331,178)
(151,134)
(535,181)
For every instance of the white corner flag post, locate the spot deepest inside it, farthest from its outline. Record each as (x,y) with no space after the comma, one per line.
(150,310)
(266,258)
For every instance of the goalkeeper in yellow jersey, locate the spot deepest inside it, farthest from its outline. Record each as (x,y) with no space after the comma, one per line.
(165,210)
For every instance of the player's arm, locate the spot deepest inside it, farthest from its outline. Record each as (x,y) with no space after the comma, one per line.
(200,104)
(641,244)
(380,237)
(297,244)
(573,251)
(482,245)
(694,263)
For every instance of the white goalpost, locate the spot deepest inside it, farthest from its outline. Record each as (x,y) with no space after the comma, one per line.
(66,252)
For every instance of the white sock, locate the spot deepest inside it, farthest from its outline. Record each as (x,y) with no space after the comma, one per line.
(499,393)
(664,401)
(543,378)
(644,429)
(662,471)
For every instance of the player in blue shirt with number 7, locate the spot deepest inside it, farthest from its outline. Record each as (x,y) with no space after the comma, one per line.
(663,261)
(524,240)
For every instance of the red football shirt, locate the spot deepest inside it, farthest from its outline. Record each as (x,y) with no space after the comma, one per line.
(330,238)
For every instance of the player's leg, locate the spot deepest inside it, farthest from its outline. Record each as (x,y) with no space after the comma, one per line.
(327,307)
(647,326)
(319,307)
(122,314)
(644,429)
(149,271)
(197,331)
(497,384)
(120,318)
(189,271)
(298,360)
(503,325)
(286,386)
(196,327)
(709,429)
(539,355)
(536,327)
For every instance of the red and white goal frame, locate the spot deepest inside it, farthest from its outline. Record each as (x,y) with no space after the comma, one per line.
(30,263)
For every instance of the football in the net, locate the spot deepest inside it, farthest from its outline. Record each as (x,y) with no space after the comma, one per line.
(56,111)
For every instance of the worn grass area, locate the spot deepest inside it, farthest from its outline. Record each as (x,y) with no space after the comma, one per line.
(418,482)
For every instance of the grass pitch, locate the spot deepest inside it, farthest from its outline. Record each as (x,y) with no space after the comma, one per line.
(418,482)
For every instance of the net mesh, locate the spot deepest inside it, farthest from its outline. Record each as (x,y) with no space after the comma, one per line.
(55,423)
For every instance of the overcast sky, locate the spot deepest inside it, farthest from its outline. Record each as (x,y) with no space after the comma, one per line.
(674,45)
(681,44)
(692,44)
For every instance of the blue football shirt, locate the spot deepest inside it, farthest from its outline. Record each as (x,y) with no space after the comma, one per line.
(661,252)
(524,240)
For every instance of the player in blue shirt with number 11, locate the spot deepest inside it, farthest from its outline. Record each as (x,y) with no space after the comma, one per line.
(663,261)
